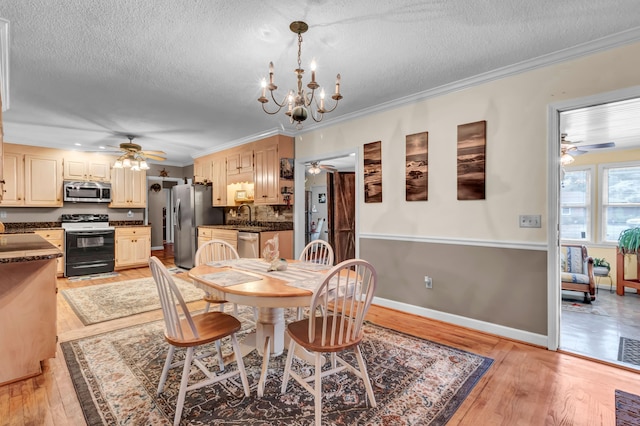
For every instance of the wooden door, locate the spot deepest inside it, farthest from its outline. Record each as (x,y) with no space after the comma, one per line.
(341,187)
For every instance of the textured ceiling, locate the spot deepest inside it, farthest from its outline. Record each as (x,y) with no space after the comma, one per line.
(183,75)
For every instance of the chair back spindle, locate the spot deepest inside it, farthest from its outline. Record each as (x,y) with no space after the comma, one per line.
(173,305)
(343,299)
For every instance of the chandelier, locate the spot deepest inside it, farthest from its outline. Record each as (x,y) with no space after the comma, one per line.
(131,160)
(300,104)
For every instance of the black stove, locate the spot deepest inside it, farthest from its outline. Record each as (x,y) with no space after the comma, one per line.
(89,244)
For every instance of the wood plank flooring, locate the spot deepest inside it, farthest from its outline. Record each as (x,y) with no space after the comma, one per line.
(527,385)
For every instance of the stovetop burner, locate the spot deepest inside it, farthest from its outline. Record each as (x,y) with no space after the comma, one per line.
(76,222)
(75,218)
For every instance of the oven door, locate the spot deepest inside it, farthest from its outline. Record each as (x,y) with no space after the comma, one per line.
(89,252)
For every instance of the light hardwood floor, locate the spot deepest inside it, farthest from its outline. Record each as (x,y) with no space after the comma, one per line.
(526,385)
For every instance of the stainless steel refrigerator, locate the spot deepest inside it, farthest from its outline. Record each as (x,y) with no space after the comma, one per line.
(191,208)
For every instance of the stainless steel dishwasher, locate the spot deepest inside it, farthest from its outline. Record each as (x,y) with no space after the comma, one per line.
(249,244)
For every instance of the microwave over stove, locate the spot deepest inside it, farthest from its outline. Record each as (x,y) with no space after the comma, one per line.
(87,192)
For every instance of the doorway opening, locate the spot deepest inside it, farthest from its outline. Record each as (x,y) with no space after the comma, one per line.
(587,207)
(159,210)
(329,209)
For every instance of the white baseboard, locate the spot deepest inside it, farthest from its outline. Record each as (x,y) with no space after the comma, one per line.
(485,327)
(157,248)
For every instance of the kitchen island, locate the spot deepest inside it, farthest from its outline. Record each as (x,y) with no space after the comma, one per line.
(27,305)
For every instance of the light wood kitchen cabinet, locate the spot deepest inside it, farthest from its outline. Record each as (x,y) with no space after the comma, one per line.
(207,234)
(240,162)
(32,178)
(202,170)
(42,180)
(13,168)
(267,174)
(1,153)
(219,181)
(128,188)
(87,167)
(55,237)
(133,246)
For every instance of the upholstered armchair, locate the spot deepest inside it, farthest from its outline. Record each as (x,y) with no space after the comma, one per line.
(577,271)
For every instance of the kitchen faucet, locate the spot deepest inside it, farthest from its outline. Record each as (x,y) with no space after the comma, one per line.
(248,206)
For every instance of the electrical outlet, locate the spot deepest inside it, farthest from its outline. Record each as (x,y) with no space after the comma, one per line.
(129,213)
(530,221)
(428,282)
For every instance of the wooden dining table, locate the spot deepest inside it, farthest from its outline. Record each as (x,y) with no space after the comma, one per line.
(248,282)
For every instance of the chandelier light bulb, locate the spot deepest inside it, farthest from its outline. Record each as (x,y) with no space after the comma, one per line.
(126,163)
(117,164)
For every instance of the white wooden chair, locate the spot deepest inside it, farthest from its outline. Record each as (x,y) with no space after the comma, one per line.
(317,251)
(190,332)
(216,250)
(342,299)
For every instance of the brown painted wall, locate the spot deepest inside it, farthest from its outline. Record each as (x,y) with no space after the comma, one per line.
(497,285)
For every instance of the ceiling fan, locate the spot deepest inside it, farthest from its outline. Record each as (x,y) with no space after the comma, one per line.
(134,151)
(571,148)
(315,168)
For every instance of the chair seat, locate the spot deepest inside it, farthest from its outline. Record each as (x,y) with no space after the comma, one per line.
(299,332)
(211,326)
(575,278)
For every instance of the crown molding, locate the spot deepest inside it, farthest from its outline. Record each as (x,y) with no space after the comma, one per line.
(595,46)
(247,139)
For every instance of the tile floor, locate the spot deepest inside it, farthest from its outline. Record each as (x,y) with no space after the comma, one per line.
(598,336)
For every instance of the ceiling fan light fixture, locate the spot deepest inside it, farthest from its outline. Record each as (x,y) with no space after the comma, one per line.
(300,103)
(566,159)
(126,162)
(118,164)
(144,165)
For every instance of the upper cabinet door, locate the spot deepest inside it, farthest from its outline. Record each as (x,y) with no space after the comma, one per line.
(89,167)
(13,194)
(43,181)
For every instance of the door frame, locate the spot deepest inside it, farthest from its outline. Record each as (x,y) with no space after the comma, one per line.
(554,293)
(169,206)
(298,207)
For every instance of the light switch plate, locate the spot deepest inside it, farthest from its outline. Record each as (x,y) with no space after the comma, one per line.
(530,221)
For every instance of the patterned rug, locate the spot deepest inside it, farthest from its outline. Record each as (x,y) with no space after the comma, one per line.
(629,351)
(416,382)
(105,302)
(93,276)
(583,308)
(627,409)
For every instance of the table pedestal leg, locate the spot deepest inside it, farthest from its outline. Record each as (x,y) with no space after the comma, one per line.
(270,324)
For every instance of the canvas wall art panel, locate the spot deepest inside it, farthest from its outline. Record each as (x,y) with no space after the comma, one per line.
(416,167)
(471,160)
(373,172)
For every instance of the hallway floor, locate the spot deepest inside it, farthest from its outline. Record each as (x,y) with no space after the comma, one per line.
(598,336)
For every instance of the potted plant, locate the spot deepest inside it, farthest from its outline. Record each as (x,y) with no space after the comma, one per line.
(601,262)
(628,244)
(629,241)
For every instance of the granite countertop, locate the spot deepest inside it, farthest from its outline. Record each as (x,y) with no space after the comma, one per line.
(254,226)
(26,248)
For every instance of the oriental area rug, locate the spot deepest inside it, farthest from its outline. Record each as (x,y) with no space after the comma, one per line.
(416,382)
(627,408)
(105,302)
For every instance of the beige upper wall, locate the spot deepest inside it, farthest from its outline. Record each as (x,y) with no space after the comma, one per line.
(515,109)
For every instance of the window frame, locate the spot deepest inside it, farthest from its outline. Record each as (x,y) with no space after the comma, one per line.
(590,207)
(603,177)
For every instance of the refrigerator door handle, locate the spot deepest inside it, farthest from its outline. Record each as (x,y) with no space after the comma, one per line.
(178,215)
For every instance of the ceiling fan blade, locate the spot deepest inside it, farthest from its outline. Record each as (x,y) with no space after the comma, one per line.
(154,157)
(153,152)
(597,146)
